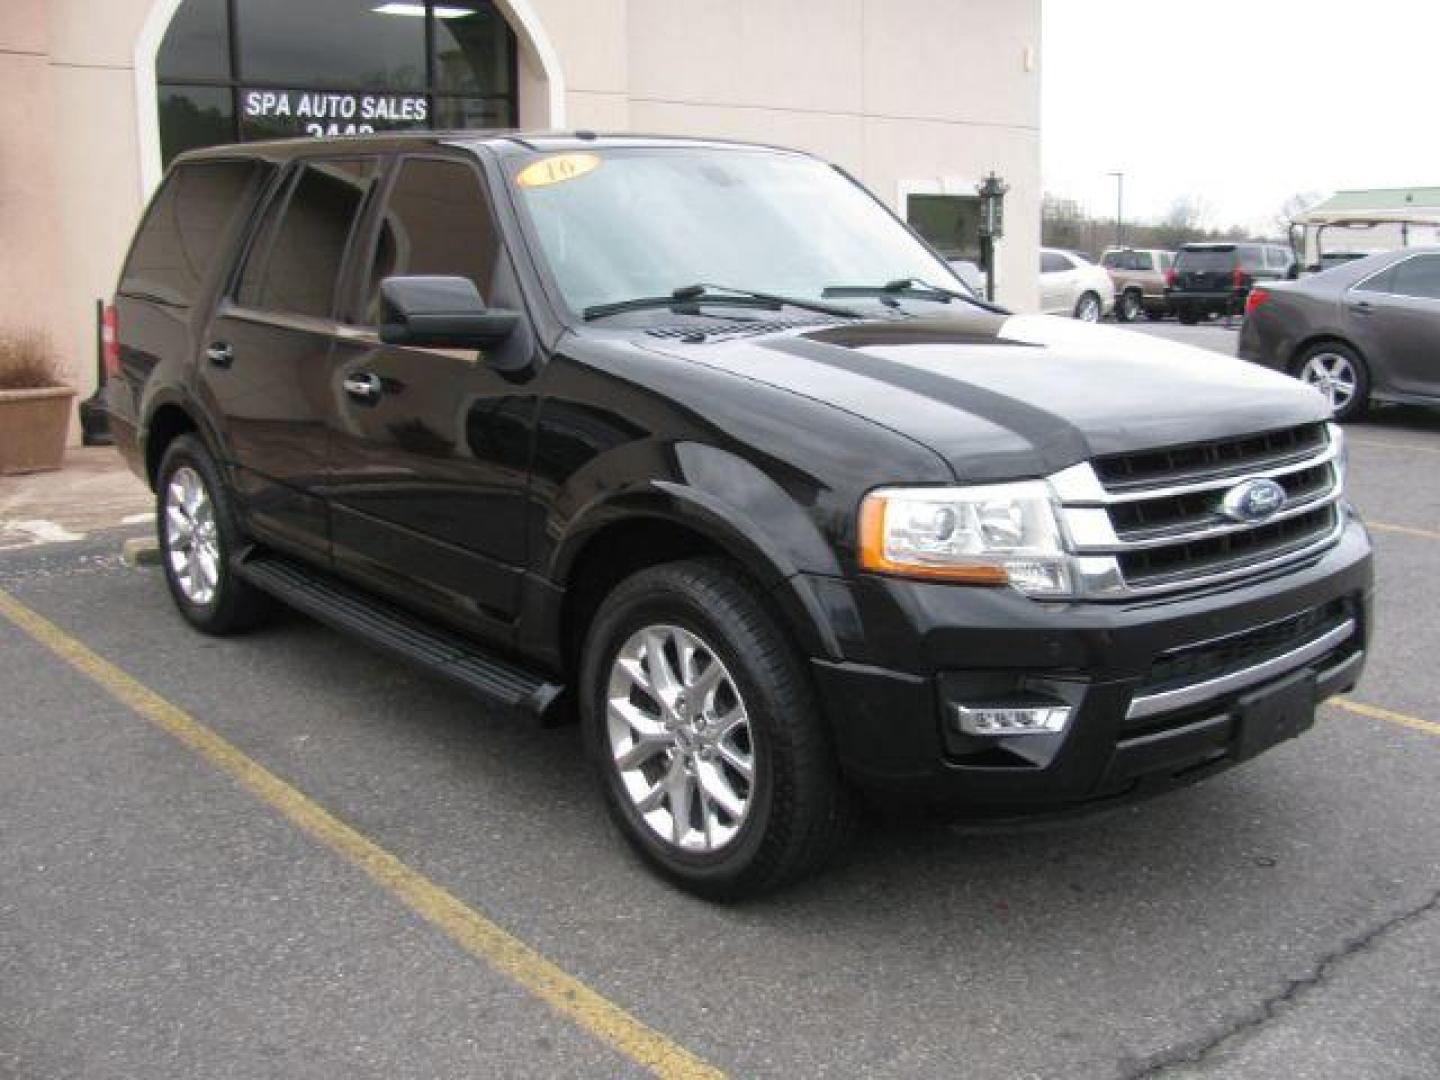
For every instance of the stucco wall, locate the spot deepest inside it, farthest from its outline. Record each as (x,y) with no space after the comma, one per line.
(906,94)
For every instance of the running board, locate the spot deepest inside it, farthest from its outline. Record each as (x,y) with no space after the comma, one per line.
(347,608)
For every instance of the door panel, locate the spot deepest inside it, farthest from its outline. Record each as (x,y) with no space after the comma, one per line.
(430,448)
(1399,329)
(271,396)
(263,369)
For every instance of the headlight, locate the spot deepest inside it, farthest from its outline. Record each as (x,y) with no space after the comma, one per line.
(1003,534)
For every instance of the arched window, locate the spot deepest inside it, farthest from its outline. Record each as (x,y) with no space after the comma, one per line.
(237,70)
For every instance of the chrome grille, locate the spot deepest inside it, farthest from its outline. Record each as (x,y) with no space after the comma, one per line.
(1152,522)
(1217,457)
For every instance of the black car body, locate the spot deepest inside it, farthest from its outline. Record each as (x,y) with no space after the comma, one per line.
(506,499)
(1215,279)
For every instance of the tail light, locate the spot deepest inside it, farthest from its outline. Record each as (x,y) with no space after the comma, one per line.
(1255,299)
(110,341)
(1170,278)
(1239,278)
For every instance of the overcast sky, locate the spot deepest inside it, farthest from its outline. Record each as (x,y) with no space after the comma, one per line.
(1240,102)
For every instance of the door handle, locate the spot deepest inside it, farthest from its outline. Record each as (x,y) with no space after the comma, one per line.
(1362,307)
(220,354)
(363,386)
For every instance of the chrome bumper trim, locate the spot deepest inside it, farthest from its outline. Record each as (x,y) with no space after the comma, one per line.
(1143,705)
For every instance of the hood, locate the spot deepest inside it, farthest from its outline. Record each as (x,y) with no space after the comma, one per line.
(1010,396)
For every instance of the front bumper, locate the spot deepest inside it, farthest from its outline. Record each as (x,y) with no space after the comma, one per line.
(1154,701)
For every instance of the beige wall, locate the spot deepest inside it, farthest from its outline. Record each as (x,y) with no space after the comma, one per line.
(906,94)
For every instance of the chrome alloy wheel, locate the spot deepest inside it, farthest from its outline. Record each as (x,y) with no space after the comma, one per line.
(1089,309)
(1333,375)
(680,738)
(192,544)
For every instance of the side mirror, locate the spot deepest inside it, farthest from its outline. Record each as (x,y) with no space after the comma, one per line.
(441,312)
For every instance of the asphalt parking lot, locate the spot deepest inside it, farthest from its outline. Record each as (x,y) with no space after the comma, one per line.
(287,855)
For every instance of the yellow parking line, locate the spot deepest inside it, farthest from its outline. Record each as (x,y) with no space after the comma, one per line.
(473,932)
(1404,530)
(1374,712)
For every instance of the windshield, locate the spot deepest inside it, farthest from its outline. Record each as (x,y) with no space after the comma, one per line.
(630,223)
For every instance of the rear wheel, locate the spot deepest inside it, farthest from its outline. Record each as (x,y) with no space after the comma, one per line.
(198,538)
(702,725)
(1088,308)
(1155,315)
(1339,373)
(1130,307)
(1187,315)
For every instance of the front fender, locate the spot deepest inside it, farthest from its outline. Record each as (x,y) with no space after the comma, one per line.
(737,509)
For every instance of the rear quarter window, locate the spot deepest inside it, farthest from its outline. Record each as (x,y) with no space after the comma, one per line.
(184,232)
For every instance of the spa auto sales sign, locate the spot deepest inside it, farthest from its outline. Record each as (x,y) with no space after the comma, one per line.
(324,112)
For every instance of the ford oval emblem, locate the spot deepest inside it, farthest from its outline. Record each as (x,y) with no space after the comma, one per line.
(1253,500)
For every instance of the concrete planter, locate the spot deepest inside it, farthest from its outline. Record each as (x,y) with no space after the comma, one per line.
(33,427)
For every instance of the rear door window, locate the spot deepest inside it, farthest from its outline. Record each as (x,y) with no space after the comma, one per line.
(437,221)
(1419,277)
(183,234)
(295,262)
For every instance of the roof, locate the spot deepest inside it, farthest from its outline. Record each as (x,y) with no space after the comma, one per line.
(502,140)
(1372,204)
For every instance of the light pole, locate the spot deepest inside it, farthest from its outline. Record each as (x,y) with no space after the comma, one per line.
(1119,207)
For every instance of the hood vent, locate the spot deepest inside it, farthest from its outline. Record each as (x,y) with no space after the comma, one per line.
(725,330)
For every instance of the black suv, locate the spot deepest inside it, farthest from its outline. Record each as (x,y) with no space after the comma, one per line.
(699,443)
(1215,279)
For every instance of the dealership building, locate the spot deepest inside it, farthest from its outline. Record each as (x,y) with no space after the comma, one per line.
(919,99)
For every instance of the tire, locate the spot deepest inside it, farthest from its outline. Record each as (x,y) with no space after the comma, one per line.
(794,811)
(1338,372)
(1187,316)
(1130,307)
(1089,308)
(198,537)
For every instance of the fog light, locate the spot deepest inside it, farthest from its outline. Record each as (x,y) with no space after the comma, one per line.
(1012,719)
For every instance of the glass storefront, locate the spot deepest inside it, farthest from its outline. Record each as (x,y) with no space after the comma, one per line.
(236,70)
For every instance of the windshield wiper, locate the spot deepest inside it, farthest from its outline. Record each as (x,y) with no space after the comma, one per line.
(716,294)
(913,288)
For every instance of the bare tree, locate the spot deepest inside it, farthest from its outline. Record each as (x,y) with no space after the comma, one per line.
(1292,208)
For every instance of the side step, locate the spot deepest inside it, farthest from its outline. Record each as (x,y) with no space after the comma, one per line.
(343,606)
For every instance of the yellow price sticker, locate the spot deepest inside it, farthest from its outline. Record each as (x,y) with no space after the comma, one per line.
(556,169)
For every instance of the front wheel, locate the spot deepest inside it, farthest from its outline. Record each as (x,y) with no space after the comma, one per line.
(1339,373)
(1088,308)
(701,722)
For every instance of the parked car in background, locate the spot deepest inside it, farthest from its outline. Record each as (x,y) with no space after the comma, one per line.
(1071,284)
(1138,275)
(1367,330)
(1332,259)
(970,274)
(1215,279)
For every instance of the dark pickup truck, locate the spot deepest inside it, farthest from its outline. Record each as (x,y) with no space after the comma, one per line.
(698,443)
